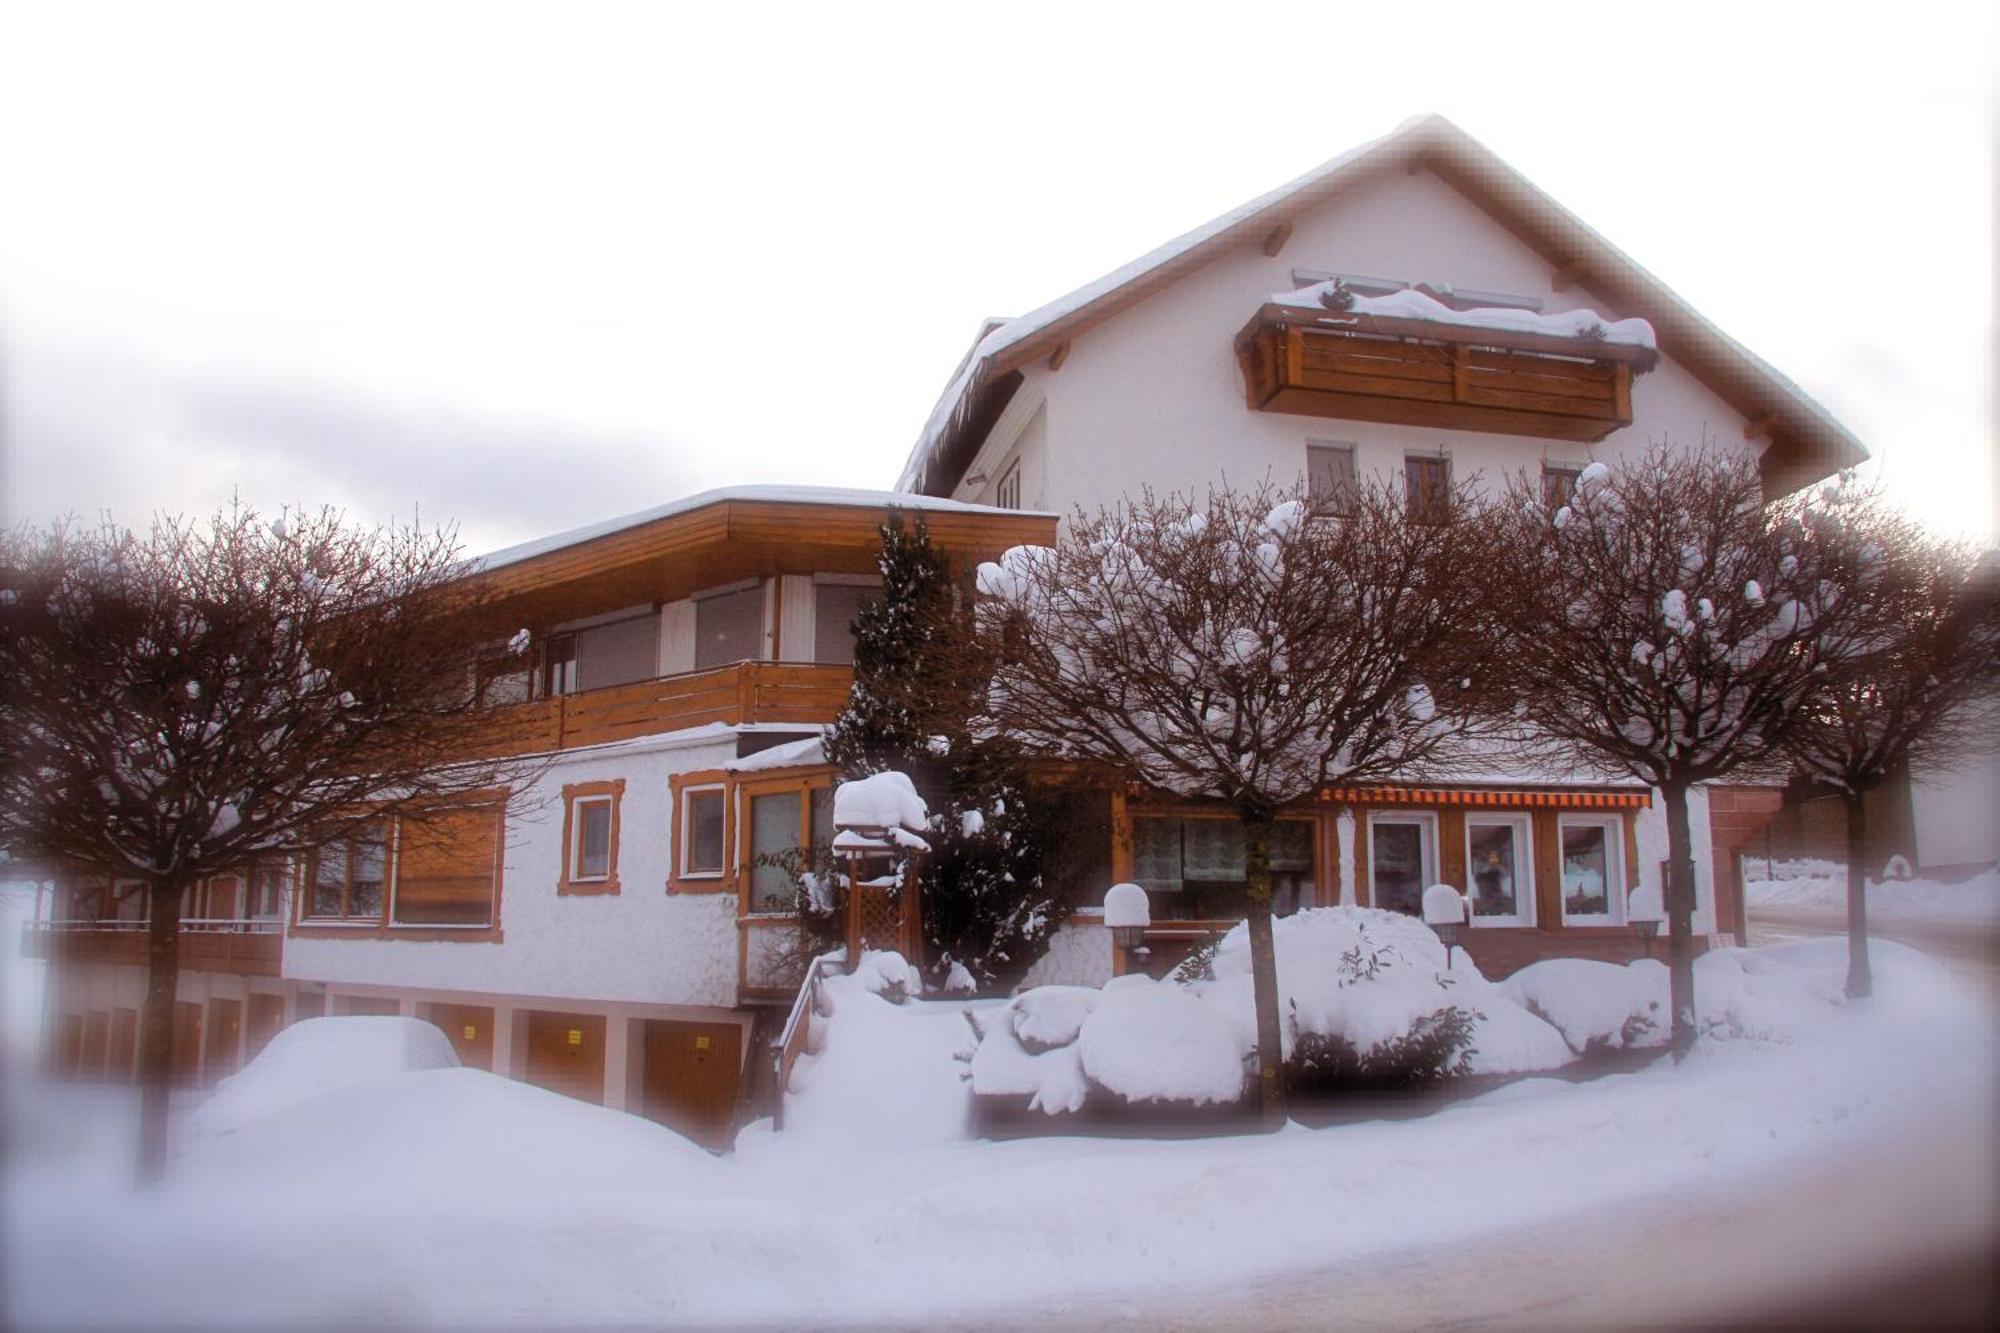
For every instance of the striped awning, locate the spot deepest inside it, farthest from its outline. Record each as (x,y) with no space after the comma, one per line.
(1514,798)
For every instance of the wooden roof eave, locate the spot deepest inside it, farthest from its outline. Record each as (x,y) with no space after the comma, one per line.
(1640,358)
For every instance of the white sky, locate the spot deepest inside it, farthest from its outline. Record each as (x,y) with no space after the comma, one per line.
(527,270)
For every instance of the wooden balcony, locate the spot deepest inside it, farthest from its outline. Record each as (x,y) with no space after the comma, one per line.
(247,948)
(1424,373)
(743,692)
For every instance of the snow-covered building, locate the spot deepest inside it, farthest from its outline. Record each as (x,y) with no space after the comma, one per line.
(607,928)
(1414,308)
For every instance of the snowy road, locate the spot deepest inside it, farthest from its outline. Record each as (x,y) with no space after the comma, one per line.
(1971,951)
(1901,1238)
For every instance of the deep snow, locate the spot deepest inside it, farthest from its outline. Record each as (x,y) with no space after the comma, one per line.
(1821,886)
(451,1197)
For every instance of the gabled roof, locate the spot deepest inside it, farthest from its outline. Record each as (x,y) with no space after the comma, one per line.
(1806,442)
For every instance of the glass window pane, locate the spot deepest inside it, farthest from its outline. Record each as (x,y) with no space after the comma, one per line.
(774,830)
(1495,870)
(1396,866)
(619,653)
(1584,870)
(822,816)
(704,833)
(728,627)
(593,839)
(1329,471)
(368,856)
(329,880)
(835,607)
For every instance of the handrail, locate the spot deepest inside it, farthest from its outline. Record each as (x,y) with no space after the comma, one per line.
(212,925)
(791,1039)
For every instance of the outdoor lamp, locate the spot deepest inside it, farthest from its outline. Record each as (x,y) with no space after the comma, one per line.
(1444,913)
(1128,914)
(1642,909)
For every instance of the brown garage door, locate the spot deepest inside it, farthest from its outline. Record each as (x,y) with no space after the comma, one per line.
(124,1044)
(267,1019)
(66,1053)
(96,1035)
(187,1041)
(566,1054)
(690,1079)
(225,1038)
(470,1028)
(375,1006)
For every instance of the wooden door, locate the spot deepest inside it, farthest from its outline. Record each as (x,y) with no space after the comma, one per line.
(187,1041)
(375,1006)
(96,1037)
(470,1028)
(691,1079)
(267,1019)
(310,1004)
(225,1039)
(566,1054)
(124,1044)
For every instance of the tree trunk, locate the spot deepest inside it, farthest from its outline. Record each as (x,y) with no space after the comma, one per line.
(1860,981)
(156,1025)
(1680,918)
(1264,967)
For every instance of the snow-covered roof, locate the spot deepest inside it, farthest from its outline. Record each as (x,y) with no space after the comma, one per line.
(1738,375)
(800,495)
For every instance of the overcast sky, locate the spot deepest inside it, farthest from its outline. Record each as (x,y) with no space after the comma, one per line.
(526,270)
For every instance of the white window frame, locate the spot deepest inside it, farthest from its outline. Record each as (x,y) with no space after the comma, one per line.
(1007,492)
(1429,846)
(1524,868)
(1349,447)
(1614,869)
(687,797)
(577,819)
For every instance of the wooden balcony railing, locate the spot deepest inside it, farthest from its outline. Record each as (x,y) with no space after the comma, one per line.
(247,948)
(742,692)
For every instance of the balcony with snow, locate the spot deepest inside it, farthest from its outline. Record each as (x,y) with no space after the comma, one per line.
(1420,357)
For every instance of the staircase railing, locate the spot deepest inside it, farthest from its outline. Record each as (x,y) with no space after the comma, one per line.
(792,1039)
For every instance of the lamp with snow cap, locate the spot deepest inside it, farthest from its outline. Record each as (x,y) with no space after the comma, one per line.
(1127,913)
(1445,913)
(1643,910)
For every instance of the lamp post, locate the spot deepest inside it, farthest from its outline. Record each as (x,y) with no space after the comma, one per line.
(1127,913)
(1644,912)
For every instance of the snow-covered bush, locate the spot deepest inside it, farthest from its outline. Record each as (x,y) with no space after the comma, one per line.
(1150,1042)
(1596,1006)
(888,974)
(1437,1046)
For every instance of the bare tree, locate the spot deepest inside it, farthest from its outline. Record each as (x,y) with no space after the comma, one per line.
(1921,684)
(180,703)
(1667,624)
(1248,651)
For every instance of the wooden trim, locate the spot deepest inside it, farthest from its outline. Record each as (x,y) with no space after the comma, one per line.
(1274,240)
(1567,275)
(1060,355)
(677,784)
(804,781)
(590,791)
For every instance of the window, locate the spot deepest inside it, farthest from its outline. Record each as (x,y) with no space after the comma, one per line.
(1427,486)
(729,627)
(1193,869)
(776,828)
(447,867)
(1008,494)
(345,880)
(1329,474)
(559,666)
(267,890)
(1497,861)
(597,656)
(590,837)
(1593,870)
(705,843)
(504,679)
(1558,485)
(835,607)
(1402,860)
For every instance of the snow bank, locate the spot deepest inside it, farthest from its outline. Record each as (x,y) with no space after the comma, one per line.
(881,800)
(1821,886)
(1595,1004)
(1158,1042)
(445,1133)
(318,1056)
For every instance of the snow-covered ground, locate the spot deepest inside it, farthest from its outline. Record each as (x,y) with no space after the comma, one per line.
(447,1196)
(1821,886)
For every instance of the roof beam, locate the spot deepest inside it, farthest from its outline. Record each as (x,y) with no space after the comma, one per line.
(1567,275)
(1275,241)
(1761,428)
(1060,355)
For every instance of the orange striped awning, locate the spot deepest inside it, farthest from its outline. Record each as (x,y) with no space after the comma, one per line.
(1513,798)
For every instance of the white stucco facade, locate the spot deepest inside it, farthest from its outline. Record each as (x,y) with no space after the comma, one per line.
(1153,396)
